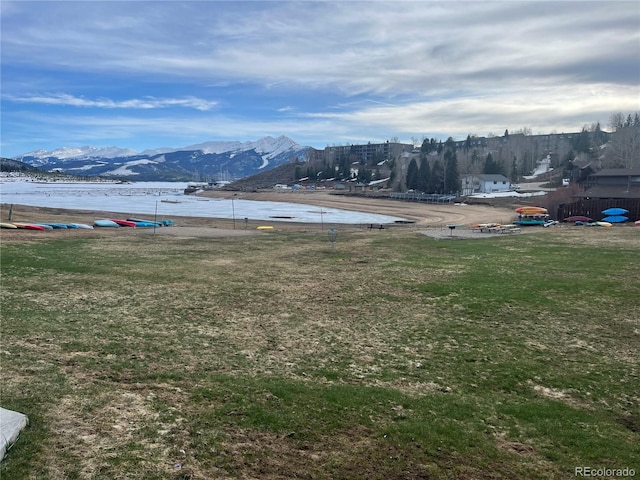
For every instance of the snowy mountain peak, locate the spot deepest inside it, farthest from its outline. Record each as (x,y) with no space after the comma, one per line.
(205,160)
(82,152)
(267,145)
(270,145)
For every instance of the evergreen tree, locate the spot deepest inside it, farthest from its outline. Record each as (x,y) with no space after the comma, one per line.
(515,174)
(491,166)
(412,180)
(451,180)
(629,121)
(424,172)
(436,179)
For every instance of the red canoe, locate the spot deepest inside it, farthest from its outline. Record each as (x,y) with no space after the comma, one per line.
(123,223)
(30,226)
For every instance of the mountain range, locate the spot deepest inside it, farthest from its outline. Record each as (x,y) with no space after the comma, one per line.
(203,161)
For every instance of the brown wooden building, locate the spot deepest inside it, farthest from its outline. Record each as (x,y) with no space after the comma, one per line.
(608,188)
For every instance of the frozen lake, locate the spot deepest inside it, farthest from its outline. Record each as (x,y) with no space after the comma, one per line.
(167,199)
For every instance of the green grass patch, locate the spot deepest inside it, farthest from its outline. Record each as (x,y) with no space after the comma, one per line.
(392,356)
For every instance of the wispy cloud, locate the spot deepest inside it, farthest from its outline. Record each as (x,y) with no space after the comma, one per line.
(322,71)
(145,103)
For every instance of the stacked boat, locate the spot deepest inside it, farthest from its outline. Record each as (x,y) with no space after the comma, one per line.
(531,216)
(615,215)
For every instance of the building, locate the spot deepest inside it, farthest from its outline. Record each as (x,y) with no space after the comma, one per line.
(367,153)
(485,183)
(608,188)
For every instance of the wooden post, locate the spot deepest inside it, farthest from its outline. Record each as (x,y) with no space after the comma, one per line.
(11,212)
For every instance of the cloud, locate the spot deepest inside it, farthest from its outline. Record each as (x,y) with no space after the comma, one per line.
(136,103)
(321,72)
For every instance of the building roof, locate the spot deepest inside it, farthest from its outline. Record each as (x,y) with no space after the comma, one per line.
(491,177)
(618,172)
(611,191)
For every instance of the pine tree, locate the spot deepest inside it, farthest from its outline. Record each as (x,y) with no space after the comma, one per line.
(424,172)
(412,179)
(436,179)
(491,166)
(451,180)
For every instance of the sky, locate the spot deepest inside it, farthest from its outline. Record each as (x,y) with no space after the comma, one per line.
(166,74)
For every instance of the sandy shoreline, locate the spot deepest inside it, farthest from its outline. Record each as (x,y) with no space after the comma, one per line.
(423,216)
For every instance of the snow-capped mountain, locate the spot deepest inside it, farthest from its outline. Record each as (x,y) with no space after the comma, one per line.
(81,152)
(205,160)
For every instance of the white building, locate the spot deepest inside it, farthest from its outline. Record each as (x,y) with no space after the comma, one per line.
(485,183)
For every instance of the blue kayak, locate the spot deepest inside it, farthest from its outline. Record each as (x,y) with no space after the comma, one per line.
(145,224)
(616,219)
(613,212)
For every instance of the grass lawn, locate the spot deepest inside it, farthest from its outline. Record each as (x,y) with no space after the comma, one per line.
(394,355)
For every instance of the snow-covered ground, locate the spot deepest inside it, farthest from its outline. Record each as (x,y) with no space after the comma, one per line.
(544,166)
(508,194)
(167,199)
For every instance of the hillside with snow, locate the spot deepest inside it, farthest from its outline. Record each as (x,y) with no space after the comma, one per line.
(204,161)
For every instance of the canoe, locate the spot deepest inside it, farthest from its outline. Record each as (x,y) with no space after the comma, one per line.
(46,226)
(30,226)
(55,225)
(105,223)
(616,219)
(144,223)
(604,224)
(530,210)
(123,223)
(81,225)
(614,211)
(637,223)
(160,223)
(7,225)
(578,218)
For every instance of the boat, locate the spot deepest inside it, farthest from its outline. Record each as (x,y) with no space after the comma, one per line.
(123,223)
(163,222)
(614,211)
(82,226)
(604,224)
(531,219)
(30,226)
(578,218)
(531,210)
(147,224)
(141,222)
(7,225)
(46,226)
(166,200)
(55,225)
(616,219)
(105,223)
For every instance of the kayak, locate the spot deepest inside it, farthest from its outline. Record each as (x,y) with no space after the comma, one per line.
(123,223)
(610,212)
(105,223)
(30,226)
(81,225)
(146,224)
(7,225)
